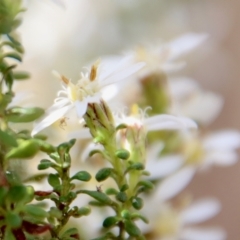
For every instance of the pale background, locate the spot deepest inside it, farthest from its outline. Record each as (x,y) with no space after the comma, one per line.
(65,38)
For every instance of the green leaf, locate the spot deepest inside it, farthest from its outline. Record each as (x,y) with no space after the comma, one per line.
(17,194)
(8,235)
(123,154)
(137,215)
(124,187)
(131,228)
(99,196)
(121,197)
(13,220)
(25,149)
(83,211)
(82,176)
(136,166)
(111,191)
(20,75)
(137,203)
(146,184)
(3,193)
(20,115)
(13,55)
(110,221)
(35,212)
(8,139)
(53,180)
(45,164)
(69,233)
(103,174)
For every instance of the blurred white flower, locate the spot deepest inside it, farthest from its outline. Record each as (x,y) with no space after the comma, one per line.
(190,100)
(162,58)
(177,223)
(87,90)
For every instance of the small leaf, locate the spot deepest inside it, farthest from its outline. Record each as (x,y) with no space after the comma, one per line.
(123,154)
(121,197)
(110,221)
(131,228)
(8,139)
(99,196)
(53,180)
(20,115)
(13,220)
(20,75)
(146,184)
(111,191)
(45,164)
(82,176)
(25,149)
(70,232)
(124,187)
(13,55)
(36,212)
(103,174)
(83,211)
(137,203)
(17,194)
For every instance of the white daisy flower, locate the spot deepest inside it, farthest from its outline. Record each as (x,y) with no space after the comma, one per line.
(88,89)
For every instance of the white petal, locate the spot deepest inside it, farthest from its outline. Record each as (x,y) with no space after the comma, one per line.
(50,118)
(164,166)
(221,158)
(81,107)
(58,104)
(174,184)
(116,77)
(170,122)
(203,234)
(228,139)
(200,211)
(185,44)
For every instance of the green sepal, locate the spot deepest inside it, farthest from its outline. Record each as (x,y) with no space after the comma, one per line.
(25,149)
(131,228)
(81,176)
(53,180)
(121,197)
(21,75)
(122,154)
(137,203)
(99,196)
(13,220)
(110,221)
(103,174)
(21,115)
(8,139)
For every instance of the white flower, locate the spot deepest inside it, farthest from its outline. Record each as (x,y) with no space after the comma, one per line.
(177,223)
(87,90)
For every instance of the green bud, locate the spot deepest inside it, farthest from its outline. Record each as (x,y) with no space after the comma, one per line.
(131,228)
(103,174)
(25,149)
(122,154)
(137,203)
(121,197)
(82,176)
(110,221)
(20,115)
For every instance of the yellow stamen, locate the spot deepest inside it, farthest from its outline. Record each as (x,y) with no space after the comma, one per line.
(93,72)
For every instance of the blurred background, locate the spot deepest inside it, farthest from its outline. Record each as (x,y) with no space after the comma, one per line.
(65,35)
